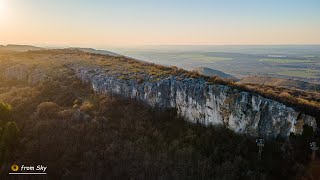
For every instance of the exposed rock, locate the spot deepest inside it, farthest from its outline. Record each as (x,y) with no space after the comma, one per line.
(194,99)
(24,73)
(198,101)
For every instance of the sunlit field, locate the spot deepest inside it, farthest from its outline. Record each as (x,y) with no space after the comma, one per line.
(284,61)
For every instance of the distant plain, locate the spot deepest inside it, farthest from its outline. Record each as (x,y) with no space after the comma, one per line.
(299,62)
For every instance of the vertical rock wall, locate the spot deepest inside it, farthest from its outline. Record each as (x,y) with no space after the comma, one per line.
(198,101)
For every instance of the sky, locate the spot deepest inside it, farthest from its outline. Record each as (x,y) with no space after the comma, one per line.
(105,23)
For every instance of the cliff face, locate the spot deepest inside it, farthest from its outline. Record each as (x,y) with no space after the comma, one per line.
(194,99)
(198,101)
(24,73)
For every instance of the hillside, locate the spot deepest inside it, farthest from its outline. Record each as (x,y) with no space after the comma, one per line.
(280,82)
(69,112)
(19,48)
(212,72)
(95,51)
(191,94)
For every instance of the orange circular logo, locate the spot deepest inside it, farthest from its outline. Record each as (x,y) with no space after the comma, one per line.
(15,168)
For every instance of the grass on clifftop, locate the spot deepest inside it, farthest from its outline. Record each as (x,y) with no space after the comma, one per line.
(127,68)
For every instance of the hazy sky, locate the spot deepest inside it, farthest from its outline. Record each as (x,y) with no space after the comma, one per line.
(103,23)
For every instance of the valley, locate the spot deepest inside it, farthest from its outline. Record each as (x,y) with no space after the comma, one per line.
(293,62)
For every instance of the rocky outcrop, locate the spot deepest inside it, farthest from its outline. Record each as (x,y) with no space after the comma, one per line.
(194,99)
(201,102)
(24,73)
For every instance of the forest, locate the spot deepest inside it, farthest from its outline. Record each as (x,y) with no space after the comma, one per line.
(78,134)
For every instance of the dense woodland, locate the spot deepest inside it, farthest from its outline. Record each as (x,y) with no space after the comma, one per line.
(78,134)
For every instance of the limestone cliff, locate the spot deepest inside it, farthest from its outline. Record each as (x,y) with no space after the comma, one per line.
(194,99)
(24,73)
(198,101)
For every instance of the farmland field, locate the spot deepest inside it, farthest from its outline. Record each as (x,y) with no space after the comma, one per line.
(285,60)
(307,73)
(293,62)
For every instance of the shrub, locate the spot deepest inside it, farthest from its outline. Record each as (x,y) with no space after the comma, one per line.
(5,112)
(47,110)
(9,135)
(87,106)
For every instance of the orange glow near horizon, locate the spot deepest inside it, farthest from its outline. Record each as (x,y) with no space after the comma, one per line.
(44,22)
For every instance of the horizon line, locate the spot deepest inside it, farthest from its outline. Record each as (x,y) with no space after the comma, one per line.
(82,46)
